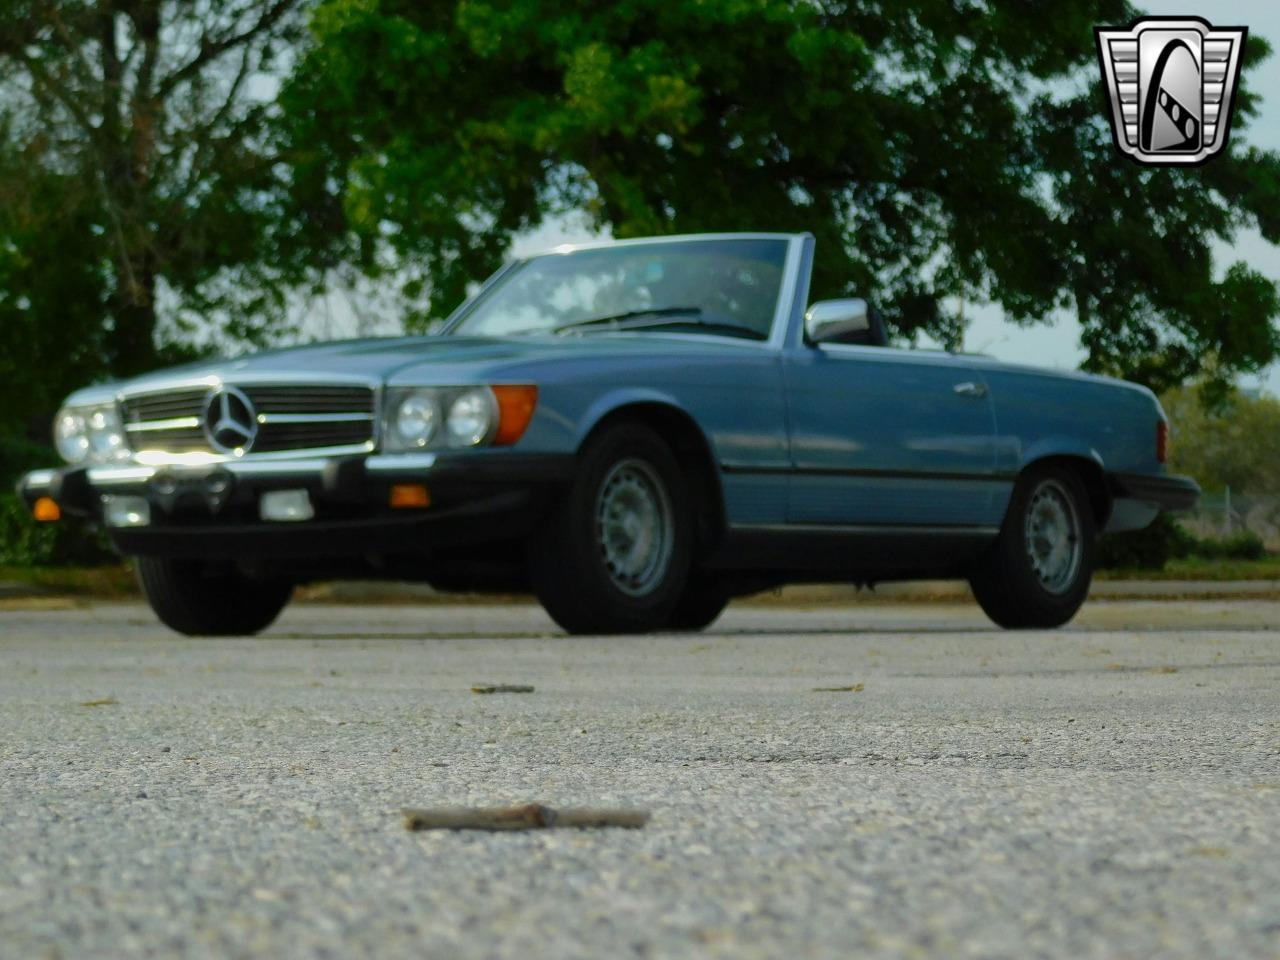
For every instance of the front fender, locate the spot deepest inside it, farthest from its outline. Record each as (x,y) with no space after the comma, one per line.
(615,400)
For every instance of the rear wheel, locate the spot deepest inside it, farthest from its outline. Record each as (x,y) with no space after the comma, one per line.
(613,556)
(1038,571)
(193,598)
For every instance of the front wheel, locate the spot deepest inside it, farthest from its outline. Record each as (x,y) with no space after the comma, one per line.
(613,556)
(1037,572)
(703,600)
(193,598)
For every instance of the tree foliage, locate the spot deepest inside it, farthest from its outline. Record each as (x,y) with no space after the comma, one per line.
(134,172)
(1234,442)
(51,288)
(940,151)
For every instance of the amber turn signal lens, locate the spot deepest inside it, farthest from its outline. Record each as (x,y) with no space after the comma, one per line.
(46,510)
(515,410)
(410,496)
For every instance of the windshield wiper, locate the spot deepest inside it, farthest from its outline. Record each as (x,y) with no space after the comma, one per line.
(738,328)
(615,318)
(664,317)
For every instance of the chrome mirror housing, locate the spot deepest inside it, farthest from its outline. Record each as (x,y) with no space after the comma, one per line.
(839,321)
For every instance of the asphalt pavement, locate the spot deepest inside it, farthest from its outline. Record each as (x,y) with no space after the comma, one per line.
(1107,790)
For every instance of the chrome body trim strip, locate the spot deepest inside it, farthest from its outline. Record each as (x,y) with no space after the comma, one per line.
(860,528)
(161,458)
(177,423)
(126,474)
(674,238)
(40,478)
(266,418)
(784,309)
(158,383)
(118,476)
(394,463)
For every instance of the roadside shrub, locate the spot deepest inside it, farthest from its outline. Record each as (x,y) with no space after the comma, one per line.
(1166,539)
(1148,549)
(17,456)
(25,543)
(1244,545)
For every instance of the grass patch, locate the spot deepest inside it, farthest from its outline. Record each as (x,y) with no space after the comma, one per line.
(1202,568)
(104,583)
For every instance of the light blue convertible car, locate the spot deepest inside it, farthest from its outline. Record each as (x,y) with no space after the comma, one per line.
(637,430)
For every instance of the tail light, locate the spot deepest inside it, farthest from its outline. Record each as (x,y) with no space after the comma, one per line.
(1162,441)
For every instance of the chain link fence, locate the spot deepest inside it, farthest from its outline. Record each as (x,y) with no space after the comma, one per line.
(1227,513)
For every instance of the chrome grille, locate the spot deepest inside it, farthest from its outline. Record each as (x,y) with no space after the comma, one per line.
(305,436)
(152,407)
(290,417)
(286,400)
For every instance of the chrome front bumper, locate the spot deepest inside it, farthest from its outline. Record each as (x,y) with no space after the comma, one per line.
(213,509)
(130,475)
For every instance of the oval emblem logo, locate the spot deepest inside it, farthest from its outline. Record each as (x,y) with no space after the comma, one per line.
(230,421)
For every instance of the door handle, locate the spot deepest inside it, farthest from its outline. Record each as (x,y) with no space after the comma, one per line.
(970,389)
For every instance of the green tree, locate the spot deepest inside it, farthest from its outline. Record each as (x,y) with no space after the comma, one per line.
(51,288)
(134,169)
(1233,443)
(940,151)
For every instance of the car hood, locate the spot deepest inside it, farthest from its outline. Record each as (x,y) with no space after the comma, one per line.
(441,358)
(370,359)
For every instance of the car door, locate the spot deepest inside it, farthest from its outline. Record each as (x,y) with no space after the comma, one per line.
(887,437)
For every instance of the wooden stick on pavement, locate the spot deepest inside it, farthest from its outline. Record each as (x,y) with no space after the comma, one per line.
(531,816)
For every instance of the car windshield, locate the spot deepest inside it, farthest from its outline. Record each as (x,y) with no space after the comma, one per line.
(727,287)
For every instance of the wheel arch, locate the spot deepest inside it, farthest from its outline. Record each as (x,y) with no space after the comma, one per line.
(693,452)
(1088,468)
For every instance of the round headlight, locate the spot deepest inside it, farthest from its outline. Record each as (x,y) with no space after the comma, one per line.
(417,419)
(71,436)
(106,435)
(471,418)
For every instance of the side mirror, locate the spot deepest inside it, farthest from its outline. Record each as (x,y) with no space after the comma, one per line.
(843,321)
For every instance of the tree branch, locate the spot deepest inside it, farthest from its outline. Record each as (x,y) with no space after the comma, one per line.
(212,49)
(40,75)
(73,46)
(111,74)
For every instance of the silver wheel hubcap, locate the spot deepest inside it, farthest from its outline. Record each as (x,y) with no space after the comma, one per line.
(1053,537)
(634,527)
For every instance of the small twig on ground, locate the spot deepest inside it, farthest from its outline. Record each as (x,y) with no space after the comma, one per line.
(531,816)
(502,688)
(852,688)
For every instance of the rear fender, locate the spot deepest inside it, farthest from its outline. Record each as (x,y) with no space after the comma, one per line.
(1059,446)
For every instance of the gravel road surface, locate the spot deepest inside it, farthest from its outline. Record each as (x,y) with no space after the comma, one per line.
(1109,790)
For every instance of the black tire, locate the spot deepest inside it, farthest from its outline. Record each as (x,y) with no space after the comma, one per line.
(573,568)
(1018,592)
(194,599)
(703,600)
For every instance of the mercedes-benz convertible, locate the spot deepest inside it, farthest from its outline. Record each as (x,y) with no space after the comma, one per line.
(636,430)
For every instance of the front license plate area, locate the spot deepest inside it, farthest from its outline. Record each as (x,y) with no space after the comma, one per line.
(286,506)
